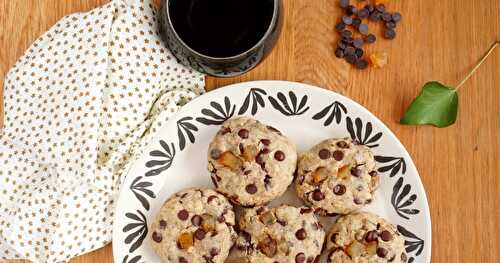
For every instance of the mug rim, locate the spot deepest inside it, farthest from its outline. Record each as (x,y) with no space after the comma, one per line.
(259,43)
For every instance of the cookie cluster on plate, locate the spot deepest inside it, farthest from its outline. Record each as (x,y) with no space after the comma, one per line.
(252,164)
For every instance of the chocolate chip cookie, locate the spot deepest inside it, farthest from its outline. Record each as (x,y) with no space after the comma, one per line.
(251,163)
(336,176)
(195,225)
(282,234)
(364,237)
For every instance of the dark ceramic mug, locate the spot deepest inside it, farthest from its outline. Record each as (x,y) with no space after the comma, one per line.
(221,66)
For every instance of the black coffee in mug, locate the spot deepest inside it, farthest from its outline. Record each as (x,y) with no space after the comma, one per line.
(221,28)
(221,37)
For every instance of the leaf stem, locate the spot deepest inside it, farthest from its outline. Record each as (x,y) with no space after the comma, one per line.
(478,64)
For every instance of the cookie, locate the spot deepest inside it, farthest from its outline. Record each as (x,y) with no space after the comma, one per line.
(336,176)
(194,225)
(282,234)
(364,237)
(251,163)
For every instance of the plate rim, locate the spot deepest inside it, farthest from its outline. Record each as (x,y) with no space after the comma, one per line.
(220,90)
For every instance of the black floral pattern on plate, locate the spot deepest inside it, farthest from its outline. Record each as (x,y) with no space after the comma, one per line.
(139,230)
(394,164)
(184,126)
(132,260)
(357,135)
(167,156)
(401,201)
(255,95)
(412,243)
(335,114)
(289,109)
(140,190)
(220,114)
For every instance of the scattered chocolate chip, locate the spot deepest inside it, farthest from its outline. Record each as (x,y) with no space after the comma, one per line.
(267,180)
(370,38)
(370,7)
(396,17)
(199,234)
(241,148)
(363,13)
(214,251)
(389,33)
(300,258)
(371,236)
(359,53)
(196,220)
(339,53)
(386,16)
(163,224)
(350,50)
(215,153)
(390,25)
(344,3)
(363,29)
(375,16)
(317,195)
(282,222)
(339,189)
(380,8)
(265,151)
(382,252)
(338,155)
(266,142)
(183,215)
(243,133)
(346,33)
(279,156)
(247,172)
(350,58)
(356,172)
(306,210)
(341,45)
(357,42)
(260,159)
(356,22)
(347,20)
(221,219)
(357,201)
(324,154)
(351,10)
(386,236)
(301,234)
(182,260)
(342,144)
(157,237)
(251,189)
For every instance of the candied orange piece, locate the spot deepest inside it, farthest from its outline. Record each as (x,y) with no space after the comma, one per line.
(228,159)
(185,240)
(378,60)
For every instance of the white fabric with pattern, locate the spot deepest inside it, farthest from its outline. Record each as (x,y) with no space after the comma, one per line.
(79,106)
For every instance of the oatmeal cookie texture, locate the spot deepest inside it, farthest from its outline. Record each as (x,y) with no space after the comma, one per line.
(336,176)
(194,225)
(251,163)
(282,234)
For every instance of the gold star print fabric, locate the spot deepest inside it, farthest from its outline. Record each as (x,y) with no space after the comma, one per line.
(80,105)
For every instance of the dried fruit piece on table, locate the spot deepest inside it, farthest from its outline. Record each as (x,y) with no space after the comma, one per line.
(378,60)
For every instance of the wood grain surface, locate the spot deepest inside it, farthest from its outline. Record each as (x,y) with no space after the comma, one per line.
(437,40)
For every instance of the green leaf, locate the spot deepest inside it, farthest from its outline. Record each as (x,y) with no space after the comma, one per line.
(436,105)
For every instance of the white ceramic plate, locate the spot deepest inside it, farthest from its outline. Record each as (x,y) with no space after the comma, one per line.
(307,114)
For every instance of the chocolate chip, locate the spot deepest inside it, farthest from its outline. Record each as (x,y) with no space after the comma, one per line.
(357,201)
(389,33)
(356,22)
(339,189)
(361,64)
(375,16)
(350,50)
(346,33)
(371,236)
(396,17)
(163,224)
(344,3)
(342,144)
(347,40)
(347,20)
(370,38)
(267,180)
(356,172)
(199,234)
(351,58)
(266,142)
(183,215)
(306,210)
(351,10)
(279,155)
(380,8)
(338,155)
(324,154)
(300,258)
(317,195)
(265,151)
(243,133)
(301,234)
(363,29)
(182,260)
(382,252)
(221,219)
(341,45)
(357,42)
(370,7)
(386,236)
(386,16)
(363,13)
(196,220)
(260,159)
(241,148)
(157,237)
(251,189)
(339,53)
(359,53)
(215,153)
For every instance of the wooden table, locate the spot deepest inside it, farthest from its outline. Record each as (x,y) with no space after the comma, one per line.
(438,40)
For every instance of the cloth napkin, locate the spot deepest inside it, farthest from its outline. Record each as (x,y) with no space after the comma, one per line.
(80,105)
